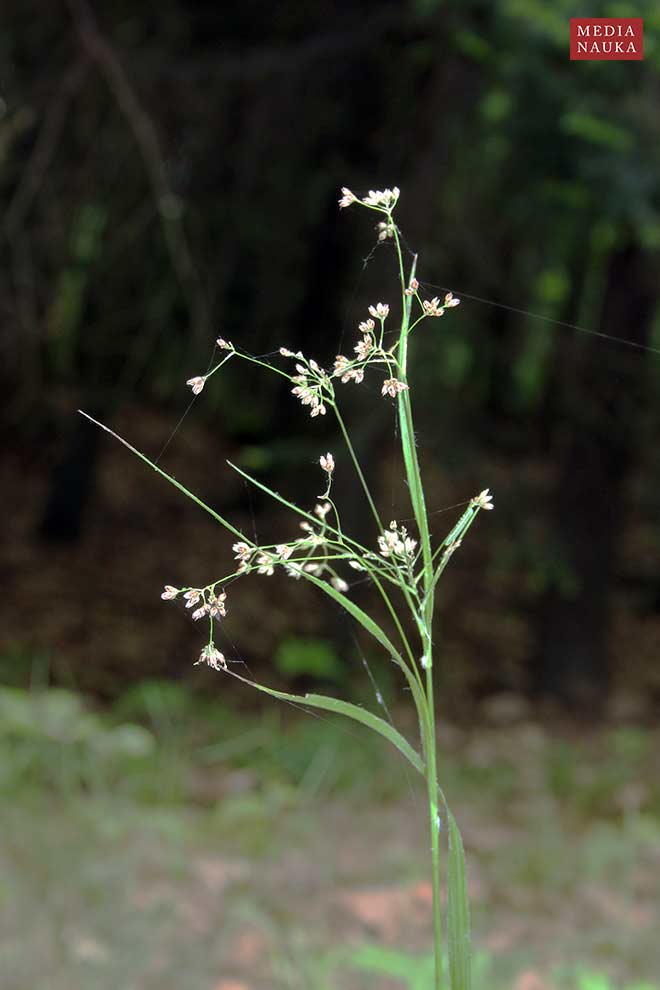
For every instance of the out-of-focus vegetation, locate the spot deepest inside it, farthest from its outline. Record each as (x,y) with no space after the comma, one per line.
(170,172)
(177,841)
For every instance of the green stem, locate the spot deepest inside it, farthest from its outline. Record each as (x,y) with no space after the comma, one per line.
(358,469)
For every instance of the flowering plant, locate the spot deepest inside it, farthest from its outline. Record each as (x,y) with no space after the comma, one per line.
(397,563)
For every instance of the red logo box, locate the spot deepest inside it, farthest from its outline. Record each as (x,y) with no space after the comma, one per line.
(601,39)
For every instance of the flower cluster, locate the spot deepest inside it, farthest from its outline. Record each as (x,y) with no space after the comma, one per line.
(383,200)
(197,384)
(392,386)
(395,542)
(433,307)
(311,384)
(213,657)
(483,500)
(206,600)
(369,350)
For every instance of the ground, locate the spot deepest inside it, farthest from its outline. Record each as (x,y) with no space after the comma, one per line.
(255,851)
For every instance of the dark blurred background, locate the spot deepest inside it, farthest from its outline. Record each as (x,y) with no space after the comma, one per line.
(170,172)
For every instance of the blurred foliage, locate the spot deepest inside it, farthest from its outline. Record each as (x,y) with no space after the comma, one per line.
(172,801)
(171,172)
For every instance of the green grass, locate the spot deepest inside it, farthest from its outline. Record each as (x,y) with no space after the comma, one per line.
(174,842)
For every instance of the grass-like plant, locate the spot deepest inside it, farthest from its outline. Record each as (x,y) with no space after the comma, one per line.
(403,569)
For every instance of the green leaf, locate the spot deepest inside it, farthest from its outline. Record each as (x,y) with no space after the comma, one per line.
(372,627)
(348,709)
(458,911)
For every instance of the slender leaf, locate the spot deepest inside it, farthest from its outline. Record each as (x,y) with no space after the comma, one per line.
(458,911)
(348,709)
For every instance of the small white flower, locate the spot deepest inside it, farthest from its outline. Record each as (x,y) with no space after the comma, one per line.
(242,550)
(386,198)
(285,352)
(283,551)
(483,500)
(327,462)
(363,347)
(201,612)
(196,384)
(432,307)
(367,326)
(450,300)
(322,509)
(265,562)
(169,592)
(338,584)
(216,606)
(379,311)
(356,565)
(294,570)
(347,197)
(224,345)
(192,597)
(213,657)
(313,569)
(391,386)
(385,230)
(353,374)
(413,287)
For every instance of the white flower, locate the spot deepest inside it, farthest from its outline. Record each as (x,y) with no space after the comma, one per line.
(367,326)
(379,311)
(356,565)
(483,500)
(294,570)
(391,386)
(338,584)
(169,592)
(196,384)
(213,657)
(201,612)
(450,300)
(283,551)
(396,542)
(385,230)
(386,198)
(265,562)
(224,345)
(322,509)
(413,287)
(192,597)
(432,307)
(363,347)
(285,352)
(242,550)
(347,198)
(216,606)
(327,462)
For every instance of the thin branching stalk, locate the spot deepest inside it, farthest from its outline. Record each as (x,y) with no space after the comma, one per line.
(400,563)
